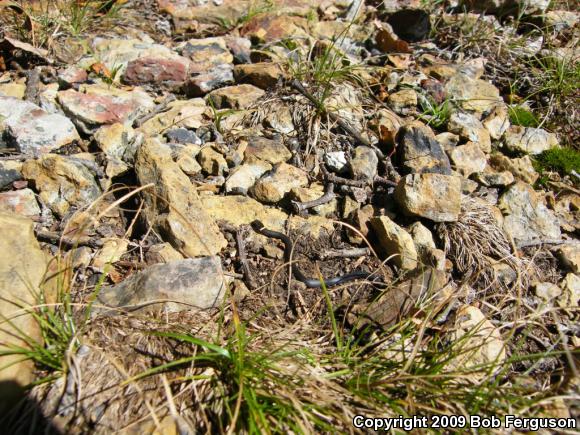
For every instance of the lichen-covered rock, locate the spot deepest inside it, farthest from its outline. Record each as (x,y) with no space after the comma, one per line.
(420,152)
(268,150)
(243,177)
(212,162)
(177,285)
(32,130)
(468,127)
(264,75)
(522,168)
(174,207)
(529,140)
(526,217)
(364,164)
(432,196)
(181,113)
(21,202)
(468,158)
(63,182)
(474,95)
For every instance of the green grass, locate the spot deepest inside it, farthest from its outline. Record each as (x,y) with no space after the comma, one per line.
(561,160)
(435,115)
(519,115)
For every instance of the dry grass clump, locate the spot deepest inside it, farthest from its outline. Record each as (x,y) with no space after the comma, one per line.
(475,242)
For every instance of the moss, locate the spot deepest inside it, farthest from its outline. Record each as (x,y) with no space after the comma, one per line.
(519,115)
(562,160)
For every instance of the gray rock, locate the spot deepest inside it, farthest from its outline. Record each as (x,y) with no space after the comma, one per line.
(192,282)
(529,140)
(7,177)
(527,218)
(495,179)
(268,150)
(204,82)
(419,152)
(433,196)
(364,164)
(244,177)
(335,161)
(32,130)
(468,127)
(473,95)
(182,135)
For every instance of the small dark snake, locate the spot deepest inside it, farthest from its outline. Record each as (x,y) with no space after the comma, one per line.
(258,227)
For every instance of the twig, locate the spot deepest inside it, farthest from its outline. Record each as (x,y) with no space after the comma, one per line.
(544,242)
(345,253)
(69,242)
(328,196)
(158,109)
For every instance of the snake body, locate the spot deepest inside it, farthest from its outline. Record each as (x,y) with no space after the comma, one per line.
(258,227)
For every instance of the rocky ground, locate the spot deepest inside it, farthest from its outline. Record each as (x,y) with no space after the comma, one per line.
(431,143)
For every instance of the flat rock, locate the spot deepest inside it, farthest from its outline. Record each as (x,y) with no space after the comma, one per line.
(270,27)
(473,95)
(206,53)
(94,105)
(168,73)
(529,140)
(364,163)
(32,130)
(396,242)
(497,121)
(468,127)
(264,75)
(188,283)
(243,177)
(175,209)
(420,152)
(182,113)
(273,186)
(526,217)
(433,196)
(268,150)
(403,101)
(491,178)
(8,176)
(21,202)
(468,158)
(241,210)
(235,97)
(22,268)
(203,82)
(63,182)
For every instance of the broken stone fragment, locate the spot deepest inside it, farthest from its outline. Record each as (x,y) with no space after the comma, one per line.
(63,182)
(94,105)
(529,140)
(200,84)
(243,177)
(364,164)
(522,168)
(21,202)
(474,95)
(22,269)
(264,75)
(173,207)
(432,196)
(403,101)
(420,152)
(32,130)
(206,53)
(212,162)
(526,217)
(395,242)
(235,97)
(468,127)
(273,186)
(168,73)
(269,150)
(468,158)
(177,285)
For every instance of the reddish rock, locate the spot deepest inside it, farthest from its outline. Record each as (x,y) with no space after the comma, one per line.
(203,83)
(158,71)
(71,76)
(22,202)
(268,28)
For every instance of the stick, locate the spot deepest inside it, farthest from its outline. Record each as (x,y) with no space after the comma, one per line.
(328,196)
